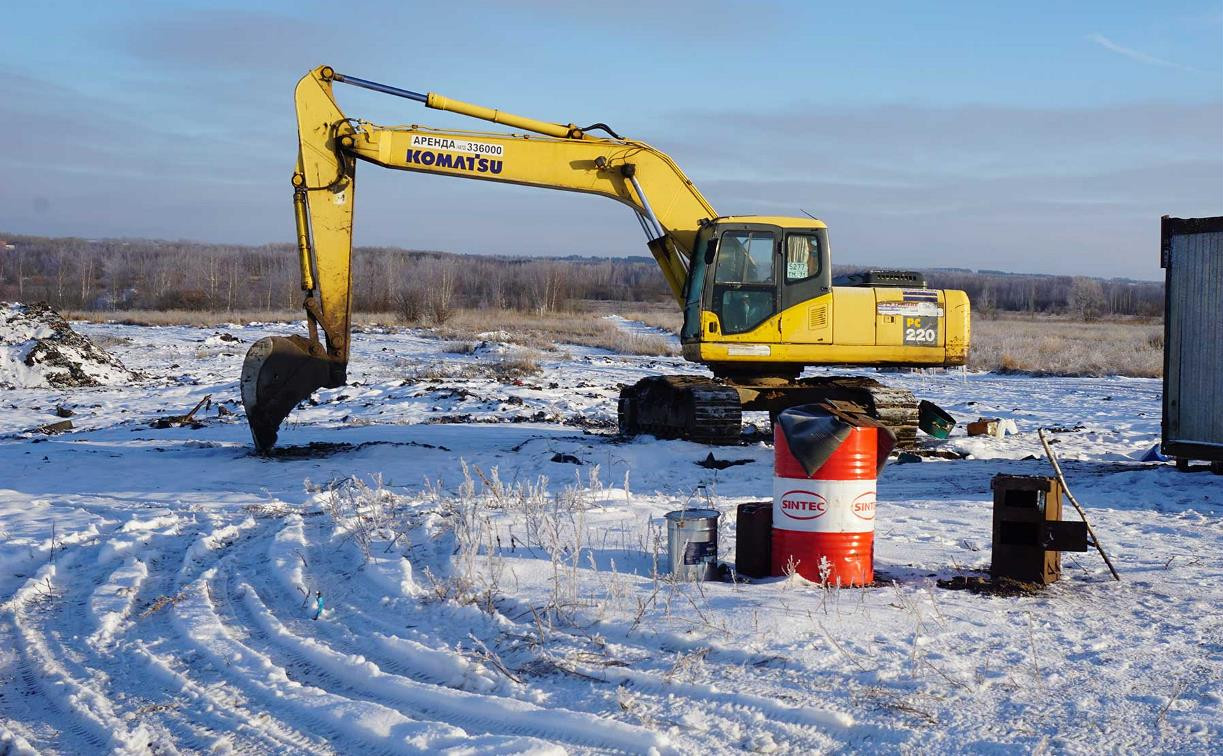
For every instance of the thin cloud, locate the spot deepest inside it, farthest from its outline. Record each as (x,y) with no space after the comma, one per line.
(1137,55)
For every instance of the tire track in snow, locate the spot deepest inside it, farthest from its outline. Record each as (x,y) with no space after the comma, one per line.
(334,669)
(434,664)
(103,672)
(223,717)
(349,724)
(91,696)
(111,602)
(472,711)
(88,714)
(221,713)
(815,727)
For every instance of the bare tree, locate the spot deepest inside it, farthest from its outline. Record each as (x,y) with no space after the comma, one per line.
(441,282)
(1086,298)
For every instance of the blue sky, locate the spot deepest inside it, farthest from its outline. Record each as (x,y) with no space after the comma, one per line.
(1033,136)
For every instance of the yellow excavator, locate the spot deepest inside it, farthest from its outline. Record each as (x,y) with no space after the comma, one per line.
(757,292)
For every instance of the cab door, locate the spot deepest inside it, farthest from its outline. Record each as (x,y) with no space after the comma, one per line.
(806,289)
(742,289)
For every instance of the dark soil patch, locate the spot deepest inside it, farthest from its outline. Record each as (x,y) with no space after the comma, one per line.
(990,586)
(319,449)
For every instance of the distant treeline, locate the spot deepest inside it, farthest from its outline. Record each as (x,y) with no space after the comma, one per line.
(127,274)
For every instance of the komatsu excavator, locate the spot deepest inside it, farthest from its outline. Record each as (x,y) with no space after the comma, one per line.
(756,292)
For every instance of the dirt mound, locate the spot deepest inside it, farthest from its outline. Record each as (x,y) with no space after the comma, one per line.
(38,349)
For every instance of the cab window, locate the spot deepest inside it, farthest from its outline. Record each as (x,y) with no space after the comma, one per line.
(802,257)
(744,288)
(745,257)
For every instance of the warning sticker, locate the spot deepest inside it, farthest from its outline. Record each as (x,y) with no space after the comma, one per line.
(918,309)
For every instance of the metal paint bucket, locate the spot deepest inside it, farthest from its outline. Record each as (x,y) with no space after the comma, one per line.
(692,543)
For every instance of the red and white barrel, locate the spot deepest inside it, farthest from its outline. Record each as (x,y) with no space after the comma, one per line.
(825,523)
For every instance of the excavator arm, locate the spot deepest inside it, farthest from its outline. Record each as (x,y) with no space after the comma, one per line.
(279,372)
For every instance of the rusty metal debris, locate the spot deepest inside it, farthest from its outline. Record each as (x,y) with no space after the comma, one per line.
(1028,533)
(50,429)
(188,420)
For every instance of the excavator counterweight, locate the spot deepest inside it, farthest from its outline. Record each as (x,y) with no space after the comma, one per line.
(757,293)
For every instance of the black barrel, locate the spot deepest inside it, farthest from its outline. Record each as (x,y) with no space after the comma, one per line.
(754,539)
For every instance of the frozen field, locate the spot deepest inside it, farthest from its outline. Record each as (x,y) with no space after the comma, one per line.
(159,587)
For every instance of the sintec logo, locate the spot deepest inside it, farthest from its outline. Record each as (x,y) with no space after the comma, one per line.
(863,506)
(803,505)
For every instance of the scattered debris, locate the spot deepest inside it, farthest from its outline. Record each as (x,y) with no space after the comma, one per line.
(939,453)
(39,349)
(188,420)
(721,464)
(1154,455)
(992,426)
(1028,532)
(466,419)
(316,449)
(983,426)
(591,423)
(934,420)
(1065,429)
(50,429)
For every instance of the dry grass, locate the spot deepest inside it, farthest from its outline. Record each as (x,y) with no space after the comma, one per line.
(668,320)
(460,347)
(505,368)
(205,319)
(544,332)
(514,367)
(1051,346)
(464,328)
(1038,345)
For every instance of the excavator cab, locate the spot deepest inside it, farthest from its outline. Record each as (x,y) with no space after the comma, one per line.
(747,271)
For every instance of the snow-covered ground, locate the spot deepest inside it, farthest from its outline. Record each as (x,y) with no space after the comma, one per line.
(159,587)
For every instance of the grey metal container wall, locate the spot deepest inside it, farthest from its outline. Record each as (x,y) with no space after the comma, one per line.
(1191,253)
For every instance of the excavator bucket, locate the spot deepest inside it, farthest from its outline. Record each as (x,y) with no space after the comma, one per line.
(277,374)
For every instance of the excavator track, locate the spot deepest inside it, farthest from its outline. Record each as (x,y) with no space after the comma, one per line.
(710,410)
(690,407)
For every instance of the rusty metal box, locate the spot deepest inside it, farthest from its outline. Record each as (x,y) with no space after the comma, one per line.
(1024,508)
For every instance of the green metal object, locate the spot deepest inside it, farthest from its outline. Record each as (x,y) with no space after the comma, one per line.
(933,420)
